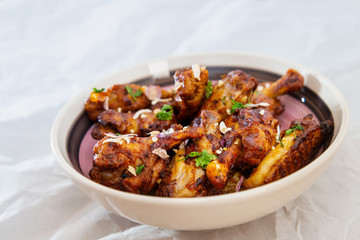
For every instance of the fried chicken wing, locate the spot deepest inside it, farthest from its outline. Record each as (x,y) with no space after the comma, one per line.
(141,123)
(124,97)
(251,137)
(117,159)
(290,82)
(237,86)
(297,150)
(268,92)
(185,179)
(190,86)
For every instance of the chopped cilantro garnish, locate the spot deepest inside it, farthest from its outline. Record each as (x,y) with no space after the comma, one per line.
(297,127)
(131,93)
(98,90)
(236,105)
(165,113)
(139,169)
(117,134)
(204,158)
(208,89)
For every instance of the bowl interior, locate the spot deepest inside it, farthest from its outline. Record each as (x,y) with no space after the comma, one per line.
(79,143)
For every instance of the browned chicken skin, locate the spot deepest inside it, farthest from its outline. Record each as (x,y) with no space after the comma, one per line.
(190,92)
(297,149)
(184,179)
(117,157)
(116,97)
(238,141)
(237,86)
(268,92)
(290,82)
(251,137)
(140,123)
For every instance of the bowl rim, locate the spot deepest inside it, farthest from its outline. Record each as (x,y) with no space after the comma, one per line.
(206,200)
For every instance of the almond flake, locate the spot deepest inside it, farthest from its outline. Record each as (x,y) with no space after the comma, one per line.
(118,139)
(106,103)
(223,128)
(196,71)
(132,170)
(154,133)
(161,153)
(154,139)
(178,85)
(157,100)
(138,113)
(156,111)
(262,111)
(260,88)
(262,104)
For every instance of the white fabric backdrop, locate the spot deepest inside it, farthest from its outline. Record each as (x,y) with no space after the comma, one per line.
(50,50)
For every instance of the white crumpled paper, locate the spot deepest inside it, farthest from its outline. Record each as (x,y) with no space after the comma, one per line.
(50,50)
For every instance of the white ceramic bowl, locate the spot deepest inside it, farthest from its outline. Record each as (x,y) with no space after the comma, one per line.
(213,211)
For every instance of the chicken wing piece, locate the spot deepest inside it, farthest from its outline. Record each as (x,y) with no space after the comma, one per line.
(134,164)
(141,123)
(292,81)
(185,179)
(269,91)
(237,86)
(123,97)
(249,134)
(190,86)
(299,145)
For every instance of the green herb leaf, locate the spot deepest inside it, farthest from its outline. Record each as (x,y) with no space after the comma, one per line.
(98,90)
(139,169)
(117,134)
(129,90)
(208,89)
(204,158)
(165,113)
(297,127)
(236,105)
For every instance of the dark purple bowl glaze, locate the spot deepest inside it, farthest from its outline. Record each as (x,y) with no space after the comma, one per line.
(297,105)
